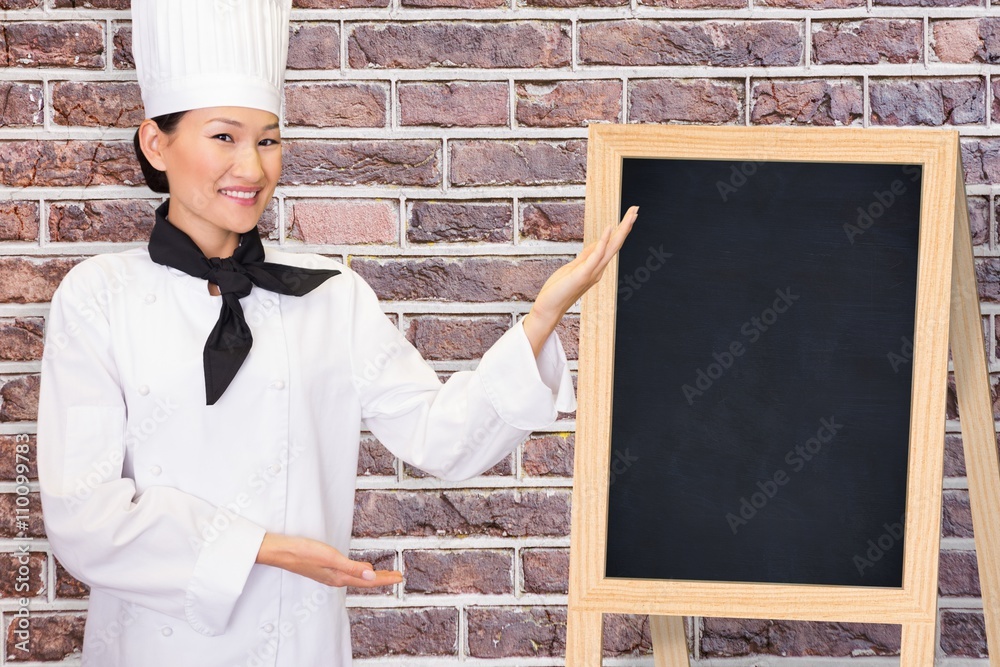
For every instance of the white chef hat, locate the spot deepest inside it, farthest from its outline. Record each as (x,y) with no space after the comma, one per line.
(192,54)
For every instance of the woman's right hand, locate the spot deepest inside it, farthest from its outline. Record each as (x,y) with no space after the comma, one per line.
(321,562)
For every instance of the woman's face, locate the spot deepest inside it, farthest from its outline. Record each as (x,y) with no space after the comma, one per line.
(222,164)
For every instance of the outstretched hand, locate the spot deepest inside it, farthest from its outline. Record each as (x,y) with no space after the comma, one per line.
(569,282)
(321,562)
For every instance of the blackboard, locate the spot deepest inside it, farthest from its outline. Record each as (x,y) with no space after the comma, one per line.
(763,344)
(852,246)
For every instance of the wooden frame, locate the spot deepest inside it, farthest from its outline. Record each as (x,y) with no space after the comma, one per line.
(914,604)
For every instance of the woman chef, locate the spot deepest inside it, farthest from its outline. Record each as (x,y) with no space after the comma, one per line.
(202,397)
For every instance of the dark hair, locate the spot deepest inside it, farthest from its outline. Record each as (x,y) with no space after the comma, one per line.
(156,179)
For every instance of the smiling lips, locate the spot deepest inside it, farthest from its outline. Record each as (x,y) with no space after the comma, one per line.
(241,196)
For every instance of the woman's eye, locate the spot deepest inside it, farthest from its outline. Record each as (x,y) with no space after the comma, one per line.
(224,137)
(269,142)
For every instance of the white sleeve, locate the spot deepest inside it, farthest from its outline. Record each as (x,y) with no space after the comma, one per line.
(164,549)
(462,427)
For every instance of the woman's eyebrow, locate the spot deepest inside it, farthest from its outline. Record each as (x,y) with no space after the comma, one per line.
(230,121)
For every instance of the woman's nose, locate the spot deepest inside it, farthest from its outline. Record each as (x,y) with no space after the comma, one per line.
(247,164)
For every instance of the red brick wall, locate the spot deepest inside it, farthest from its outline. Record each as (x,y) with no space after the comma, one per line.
(439,146)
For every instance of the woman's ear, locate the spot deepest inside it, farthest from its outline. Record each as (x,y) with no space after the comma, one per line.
(151,141)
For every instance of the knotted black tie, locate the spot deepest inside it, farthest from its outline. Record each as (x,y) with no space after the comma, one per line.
(229,343)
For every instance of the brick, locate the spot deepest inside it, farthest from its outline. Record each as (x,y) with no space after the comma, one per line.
(68,163)
(19,4)
(687,100)
(12,450)
(954,456)
(868,42)
(475,279)
(377,162)
(9,528)
(380,559)
(455,337)
(314,46)
(956,514)
(339,4)
(811,4)
(958,575)
(24,280)
(988,279)
(552,220)
(963,634)
(432,44)
(927,3)
(503,632)
(626,635)
(572,3)
(815,102)
(79,45)
(979,222)
(460,4)
(721,43)
(19,399)
(20,104)
(69,587)
(487,162)
(336,104)
(548,455)
(22,575)
(21,339)
(453,103)
(568,103)
(927,101)
(460,512)
(545,570)
(92,4)
(966,40)
(568,331)
(448,221)
(408,631)
(113,220)
(727,637)
(995,95)
(345,221)
(18,221)
(53,637)
(122,44)
(444,571)
(374,458)
(696,4)
(97,104)
(981,160)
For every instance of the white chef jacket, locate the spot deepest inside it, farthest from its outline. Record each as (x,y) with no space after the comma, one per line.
(160,503)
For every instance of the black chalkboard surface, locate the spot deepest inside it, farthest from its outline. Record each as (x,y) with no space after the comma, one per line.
(763,340)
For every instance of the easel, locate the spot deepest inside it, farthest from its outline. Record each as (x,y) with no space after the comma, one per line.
(667,603)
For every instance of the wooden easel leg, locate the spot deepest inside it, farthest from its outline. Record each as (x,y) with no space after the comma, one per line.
(976,415)
(917,649)
(584,638)
(669,641)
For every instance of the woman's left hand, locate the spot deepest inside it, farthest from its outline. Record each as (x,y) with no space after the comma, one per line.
(569,282)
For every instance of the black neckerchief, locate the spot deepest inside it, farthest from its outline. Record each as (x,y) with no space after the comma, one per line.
(229,343)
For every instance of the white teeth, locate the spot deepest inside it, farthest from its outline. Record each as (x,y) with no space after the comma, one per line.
(239,195)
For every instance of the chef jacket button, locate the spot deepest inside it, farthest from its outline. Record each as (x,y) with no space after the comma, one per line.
(274,468)
(155,470)
(278,384)
(150,298)
(167,631)
(143,389)
(266,304)
(268,627)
